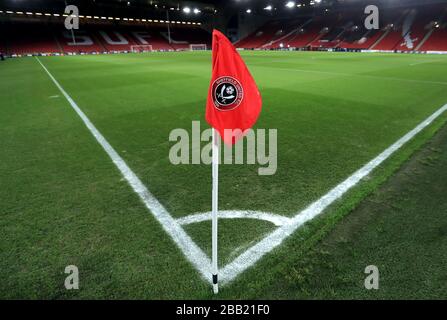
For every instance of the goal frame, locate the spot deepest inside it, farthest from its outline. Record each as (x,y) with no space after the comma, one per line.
(141,48)
(203,46)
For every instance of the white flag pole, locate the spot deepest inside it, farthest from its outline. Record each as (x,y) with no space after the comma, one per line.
(215,173)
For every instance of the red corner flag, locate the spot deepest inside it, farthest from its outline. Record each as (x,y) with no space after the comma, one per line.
(234,101)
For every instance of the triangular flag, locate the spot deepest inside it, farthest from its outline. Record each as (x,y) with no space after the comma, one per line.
(234,101)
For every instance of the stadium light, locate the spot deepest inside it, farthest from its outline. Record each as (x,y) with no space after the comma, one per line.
(248,11)
(196,11)
(28,13)
(268,8)
(290,4)
(317,1)
(187,10)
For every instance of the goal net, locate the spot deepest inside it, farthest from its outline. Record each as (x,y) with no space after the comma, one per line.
(141,48)
(195,47)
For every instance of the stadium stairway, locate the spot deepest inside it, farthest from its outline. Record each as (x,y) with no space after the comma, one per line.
(413,32)
(393,34)
(268,33)
(287,37)
(436,40)
(306,36)
(406,29)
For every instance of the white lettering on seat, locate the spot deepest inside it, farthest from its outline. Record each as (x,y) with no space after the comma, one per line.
(140,36)
(81,39)
(121,40)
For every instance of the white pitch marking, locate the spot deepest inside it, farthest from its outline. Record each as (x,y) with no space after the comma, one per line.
(192,252)
(277,220)
(423,62)
(271,241)
(275,238)
(354,75)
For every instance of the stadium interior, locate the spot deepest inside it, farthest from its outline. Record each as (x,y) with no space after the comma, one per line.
(168,26)
(111,119)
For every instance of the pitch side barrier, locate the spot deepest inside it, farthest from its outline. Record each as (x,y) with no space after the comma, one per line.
(52,54)
(409,52)
(239,49)
(341,50)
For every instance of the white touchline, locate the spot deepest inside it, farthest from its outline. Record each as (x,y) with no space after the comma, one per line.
(192,252)
(286,225)
(274,239)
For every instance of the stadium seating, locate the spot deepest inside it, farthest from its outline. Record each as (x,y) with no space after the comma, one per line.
(405,29)
(27,38)
(83,42)
(437,40)
(267,34)
(30,39)
(363,39)
(308,30)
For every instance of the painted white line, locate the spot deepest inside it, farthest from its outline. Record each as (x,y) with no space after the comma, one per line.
(277,220)
(354,75)
(423,62)
(274,239)
(192,252)
(248,258)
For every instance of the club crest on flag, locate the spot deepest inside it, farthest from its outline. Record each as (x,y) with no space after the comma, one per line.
(227,93)
(234,102)
(242,106)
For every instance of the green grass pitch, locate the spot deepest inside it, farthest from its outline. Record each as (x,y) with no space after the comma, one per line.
(63,202)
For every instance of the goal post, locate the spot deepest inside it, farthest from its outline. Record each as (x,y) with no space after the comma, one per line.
(141,48)
(196,47)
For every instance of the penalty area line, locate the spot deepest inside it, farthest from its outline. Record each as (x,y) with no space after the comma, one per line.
(189,249)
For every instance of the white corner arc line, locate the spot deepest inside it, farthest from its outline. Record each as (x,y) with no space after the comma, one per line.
(275,238)
(191,251)
(276,219)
